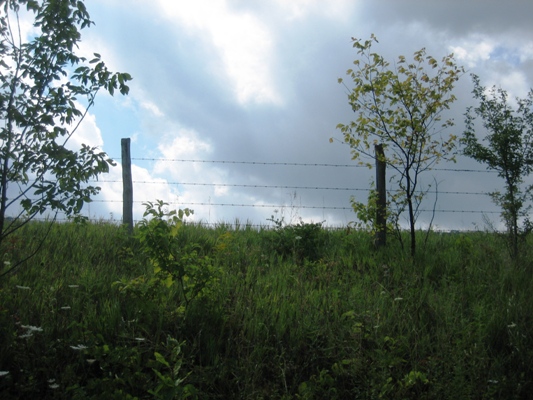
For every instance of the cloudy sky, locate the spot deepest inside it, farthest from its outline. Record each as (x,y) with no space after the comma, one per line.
(256,82)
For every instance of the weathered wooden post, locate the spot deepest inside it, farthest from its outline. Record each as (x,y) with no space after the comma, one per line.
(381,206)
(127,186)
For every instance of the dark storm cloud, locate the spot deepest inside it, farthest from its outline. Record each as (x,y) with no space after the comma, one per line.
(457,17)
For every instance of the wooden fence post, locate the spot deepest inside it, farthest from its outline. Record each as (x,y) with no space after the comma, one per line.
(127,186)
(381,206)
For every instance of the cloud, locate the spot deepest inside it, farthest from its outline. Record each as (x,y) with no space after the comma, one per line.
(243,45)
(152,108)
(456,17)
(473,50)
(88,133)
(195,181)
(332,9)
(501,61)
(514,82)
(183,143)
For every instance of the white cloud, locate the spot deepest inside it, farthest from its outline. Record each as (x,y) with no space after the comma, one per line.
(477,49)
(152,108)
(242,41)
(186,143)
(221,191)
(156,189)
(298,9)
(474,50)
(513,82)
(526,51)
(25,25)
(87,133)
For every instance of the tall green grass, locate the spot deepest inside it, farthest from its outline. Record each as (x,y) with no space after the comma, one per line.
(294,313)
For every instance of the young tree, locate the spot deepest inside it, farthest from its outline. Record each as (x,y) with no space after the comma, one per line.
(509,150)
(400,106)
(46,91)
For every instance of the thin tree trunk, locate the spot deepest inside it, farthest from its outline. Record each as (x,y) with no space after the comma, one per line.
(412,226)
(381,209)
(409,192)
(513,210)
(7,150)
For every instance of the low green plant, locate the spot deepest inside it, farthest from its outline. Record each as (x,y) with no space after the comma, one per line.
(301,241)
(178,263)
(171,385)
(366,214)
(320,386)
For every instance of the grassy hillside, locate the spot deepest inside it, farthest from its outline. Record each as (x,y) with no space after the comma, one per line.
(298,312)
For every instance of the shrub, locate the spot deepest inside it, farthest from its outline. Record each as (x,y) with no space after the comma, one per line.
(303,241)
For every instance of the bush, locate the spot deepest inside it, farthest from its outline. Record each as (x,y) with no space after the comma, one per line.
(303,241)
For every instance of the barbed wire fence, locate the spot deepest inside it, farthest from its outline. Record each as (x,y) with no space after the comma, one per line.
(143,197)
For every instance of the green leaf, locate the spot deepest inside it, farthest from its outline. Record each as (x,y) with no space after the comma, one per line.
(160,359)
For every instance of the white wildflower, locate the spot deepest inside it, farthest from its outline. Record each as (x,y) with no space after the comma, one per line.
(4,373)
(65,308)
(53,386)
(32,328)
(140,339)
(73,286)
(512,325)
(22,287)
(7,263)
(79,347)
(91,360)
(398,299)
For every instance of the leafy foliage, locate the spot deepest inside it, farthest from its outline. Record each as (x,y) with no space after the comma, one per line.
(46,90)
(173,261)
(401,107)
(509,151)
(169,374)
(366,214)
(301,241)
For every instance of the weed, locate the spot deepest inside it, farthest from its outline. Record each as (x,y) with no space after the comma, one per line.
(302,241)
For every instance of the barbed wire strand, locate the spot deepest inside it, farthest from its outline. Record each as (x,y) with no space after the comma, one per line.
(285,206)
(273,163)
(279,187)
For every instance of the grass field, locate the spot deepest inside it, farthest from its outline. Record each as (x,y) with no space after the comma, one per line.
(231,312)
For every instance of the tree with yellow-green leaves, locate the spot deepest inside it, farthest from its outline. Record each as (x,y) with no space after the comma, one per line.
(401,107)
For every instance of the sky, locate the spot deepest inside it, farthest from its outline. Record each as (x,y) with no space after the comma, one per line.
(255,84)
